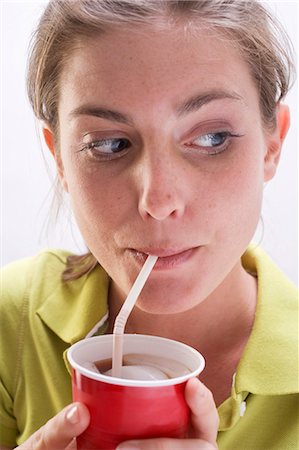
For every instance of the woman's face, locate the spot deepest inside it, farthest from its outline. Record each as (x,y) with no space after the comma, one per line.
(162,151)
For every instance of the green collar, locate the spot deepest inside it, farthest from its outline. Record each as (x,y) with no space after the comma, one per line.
(269,365)
(74,309)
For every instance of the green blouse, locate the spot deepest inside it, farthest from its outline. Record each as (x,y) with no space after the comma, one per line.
(41,316)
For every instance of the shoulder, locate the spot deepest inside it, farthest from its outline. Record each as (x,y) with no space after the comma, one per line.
(55,259)
(34,293)
(42,271)
(25,285)
(35,281)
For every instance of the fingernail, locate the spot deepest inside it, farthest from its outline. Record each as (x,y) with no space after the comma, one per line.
(129,445)
(201,389)
(72,415)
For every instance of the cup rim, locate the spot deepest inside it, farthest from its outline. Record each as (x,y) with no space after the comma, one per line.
(135,383)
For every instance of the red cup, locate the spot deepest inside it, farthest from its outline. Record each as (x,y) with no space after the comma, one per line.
(122,409)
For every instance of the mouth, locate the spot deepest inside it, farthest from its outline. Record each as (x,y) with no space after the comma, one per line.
(167,258)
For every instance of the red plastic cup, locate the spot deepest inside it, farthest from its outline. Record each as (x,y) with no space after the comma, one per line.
(124,409)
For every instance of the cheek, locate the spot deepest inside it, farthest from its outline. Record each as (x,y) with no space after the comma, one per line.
(235,196)
(99,202)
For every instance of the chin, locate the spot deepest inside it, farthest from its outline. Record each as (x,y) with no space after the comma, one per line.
(167,305)
(172,296)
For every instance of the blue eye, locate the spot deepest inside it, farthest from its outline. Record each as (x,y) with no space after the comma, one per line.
(212,143)
(211,139)
(108,146)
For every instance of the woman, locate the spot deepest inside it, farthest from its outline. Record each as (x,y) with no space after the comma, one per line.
(165,120)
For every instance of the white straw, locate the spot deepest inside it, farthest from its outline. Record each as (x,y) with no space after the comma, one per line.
(122,317)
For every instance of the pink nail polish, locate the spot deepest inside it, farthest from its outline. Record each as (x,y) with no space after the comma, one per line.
(72,415)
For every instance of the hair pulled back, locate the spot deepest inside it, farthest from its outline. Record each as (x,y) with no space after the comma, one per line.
(246,23)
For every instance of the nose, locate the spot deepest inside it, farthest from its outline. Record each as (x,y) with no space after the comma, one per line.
(161,188)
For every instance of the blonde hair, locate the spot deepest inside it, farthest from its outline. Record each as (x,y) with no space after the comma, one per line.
(246,23)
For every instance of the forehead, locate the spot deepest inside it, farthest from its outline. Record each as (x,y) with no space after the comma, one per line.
(153,66)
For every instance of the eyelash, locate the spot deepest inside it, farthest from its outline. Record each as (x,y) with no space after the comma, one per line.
(91,147)
(225,137)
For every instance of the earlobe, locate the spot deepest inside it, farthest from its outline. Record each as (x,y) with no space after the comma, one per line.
(275,141)
(283,120)
(49,139)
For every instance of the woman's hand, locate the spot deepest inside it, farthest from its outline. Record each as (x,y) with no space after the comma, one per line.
(59,432)
(204,423)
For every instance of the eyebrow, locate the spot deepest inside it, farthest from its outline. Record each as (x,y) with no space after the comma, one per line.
(103,113)
(192,104)
(197,101)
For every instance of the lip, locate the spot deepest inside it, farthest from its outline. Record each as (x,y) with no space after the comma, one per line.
(167,258)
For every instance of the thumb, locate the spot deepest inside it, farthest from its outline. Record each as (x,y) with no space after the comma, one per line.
(59,432)
(204,416)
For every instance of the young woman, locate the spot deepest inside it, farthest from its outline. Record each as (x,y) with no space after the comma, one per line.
(165,120)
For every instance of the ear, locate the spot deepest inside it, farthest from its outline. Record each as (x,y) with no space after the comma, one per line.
(49,139)
(275,140)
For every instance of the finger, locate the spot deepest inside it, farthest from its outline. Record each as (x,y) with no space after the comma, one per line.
(204,415)
(167,444)
(59,432)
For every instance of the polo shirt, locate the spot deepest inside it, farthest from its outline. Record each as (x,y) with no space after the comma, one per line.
(41,316)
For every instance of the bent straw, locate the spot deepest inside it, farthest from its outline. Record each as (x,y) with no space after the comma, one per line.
(122,317)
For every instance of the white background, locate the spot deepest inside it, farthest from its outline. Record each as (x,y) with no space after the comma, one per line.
(26,191)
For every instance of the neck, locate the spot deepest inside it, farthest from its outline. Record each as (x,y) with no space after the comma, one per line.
(217,324)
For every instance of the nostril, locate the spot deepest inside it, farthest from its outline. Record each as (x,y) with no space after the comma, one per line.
(160,210)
